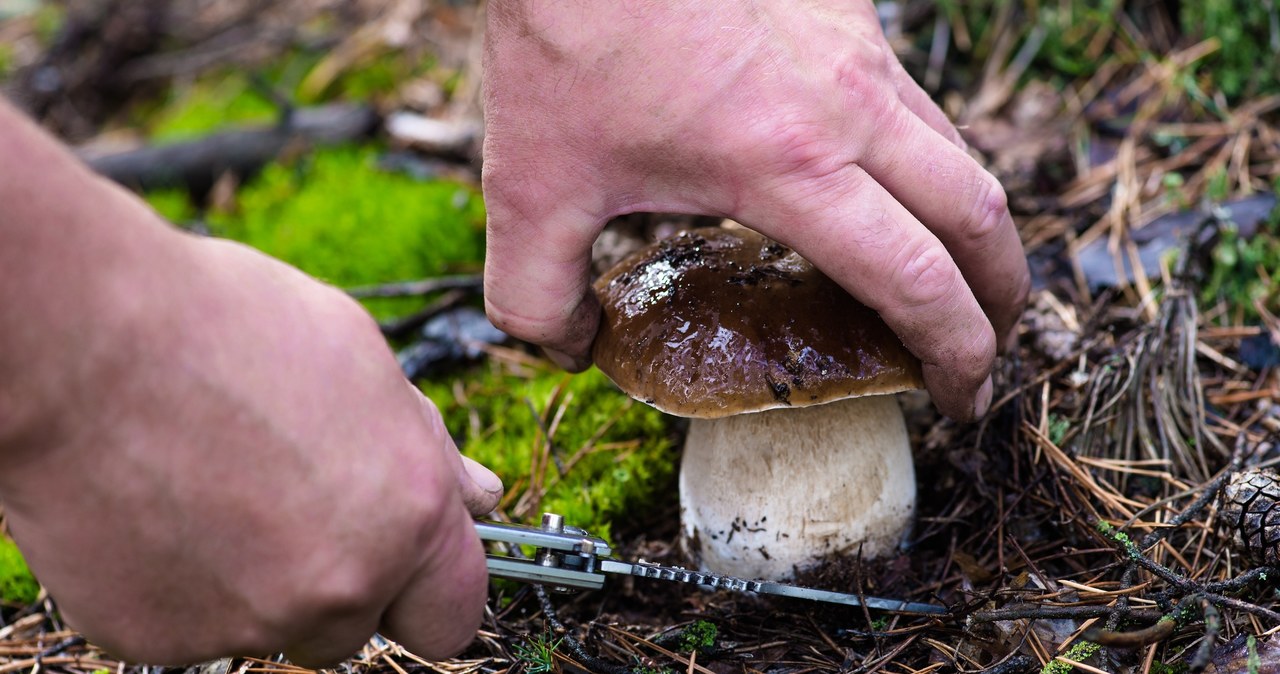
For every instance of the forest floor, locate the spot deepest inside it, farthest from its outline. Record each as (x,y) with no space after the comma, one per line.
(1081,526)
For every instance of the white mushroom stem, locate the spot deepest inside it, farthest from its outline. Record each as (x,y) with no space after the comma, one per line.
(765,493)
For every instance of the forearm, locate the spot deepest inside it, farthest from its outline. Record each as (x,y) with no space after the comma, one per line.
(71,249)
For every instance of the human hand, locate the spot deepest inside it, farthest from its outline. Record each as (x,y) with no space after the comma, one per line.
(240,468)
(793,119)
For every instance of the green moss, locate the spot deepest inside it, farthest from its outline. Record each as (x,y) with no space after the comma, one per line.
(212,103)
(1079,652)
(338,217)
(174,205)
(1158,667)
(17,585)
(617,455)
(699,636)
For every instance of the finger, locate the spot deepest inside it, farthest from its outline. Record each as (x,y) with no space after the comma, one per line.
(923,106)
(964,206)
(438,612)
(537,268)
(861,237)
(481,489)
(335,641)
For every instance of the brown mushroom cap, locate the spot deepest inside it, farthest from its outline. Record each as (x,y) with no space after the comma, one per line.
(716,322)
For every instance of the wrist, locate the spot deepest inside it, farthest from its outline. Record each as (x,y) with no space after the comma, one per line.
(74,253)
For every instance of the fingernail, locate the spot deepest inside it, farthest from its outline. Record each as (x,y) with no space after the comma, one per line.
(983,403)
(485,479)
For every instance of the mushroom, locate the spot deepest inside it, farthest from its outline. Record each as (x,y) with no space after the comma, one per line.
(795,449)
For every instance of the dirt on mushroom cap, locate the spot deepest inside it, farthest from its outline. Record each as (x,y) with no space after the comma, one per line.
(719,321)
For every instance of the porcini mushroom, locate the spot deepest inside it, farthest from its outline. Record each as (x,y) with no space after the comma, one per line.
(795,450)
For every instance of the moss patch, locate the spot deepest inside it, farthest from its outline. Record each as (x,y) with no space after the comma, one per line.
(608,455)
(173,205)
(17,585)
(208,105)
(338,217)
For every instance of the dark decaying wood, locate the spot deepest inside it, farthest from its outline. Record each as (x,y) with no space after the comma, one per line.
(197,164)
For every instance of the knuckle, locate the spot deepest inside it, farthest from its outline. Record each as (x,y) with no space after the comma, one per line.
(872,62)
(794,148)
(348,588)
(566,321)
(927,276)
(868,83)
(991,211)
(535,328)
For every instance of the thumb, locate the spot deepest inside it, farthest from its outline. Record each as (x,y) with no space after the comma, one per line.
(480,488)
(538,265)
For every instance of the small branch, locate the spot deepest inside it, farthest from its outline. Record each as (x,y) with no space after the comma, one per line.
(1035,612)
(1135,555)
(472,282)
(1212,625)
(1014,665)
(1161,630)
(197,164)
(403,327)
(1243,580)
(1243,606)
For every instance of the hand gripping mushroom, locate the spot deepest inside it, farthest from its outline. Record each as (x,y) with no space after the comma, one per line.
(795,451)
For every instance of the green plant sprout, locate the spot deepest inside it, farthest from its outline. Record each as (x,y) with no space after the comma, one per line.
(1058,427)
(1234,277)
(538,653)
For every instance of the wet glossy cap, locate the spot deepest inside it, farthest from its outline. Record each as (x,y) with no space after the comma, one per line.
(716,322)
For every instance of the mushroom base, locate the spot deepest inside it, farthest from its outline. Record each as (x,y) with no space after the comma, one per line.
(765,494)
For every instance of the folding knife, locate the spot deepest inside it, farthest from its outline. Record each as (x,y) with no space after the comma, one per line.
(567,558)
